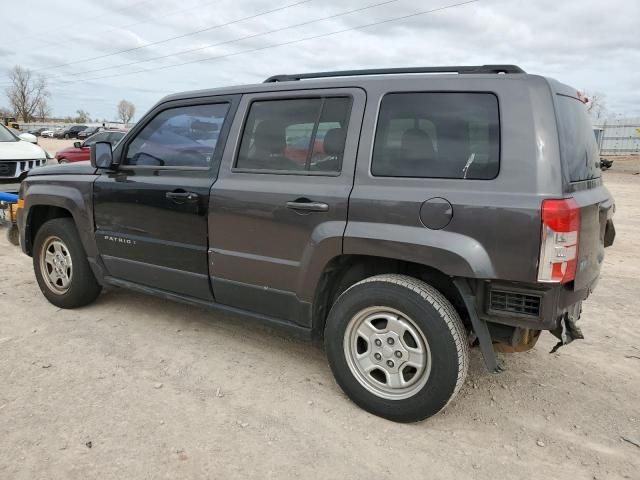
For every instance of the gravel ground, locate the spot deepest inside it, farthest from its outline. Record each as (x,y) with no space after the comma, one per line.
(52,145)
(137,387)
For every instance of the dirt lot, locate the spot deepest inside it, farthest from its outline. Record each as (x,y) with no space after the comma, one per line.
(136,387)
(52,145)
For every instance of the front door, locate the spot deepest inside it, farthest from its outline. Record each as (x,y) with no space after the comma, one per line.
(279,206)
(151,212)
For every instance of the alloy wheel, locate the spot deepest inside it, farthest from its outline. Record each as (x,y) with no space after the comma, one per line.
(56,265)
(387,353)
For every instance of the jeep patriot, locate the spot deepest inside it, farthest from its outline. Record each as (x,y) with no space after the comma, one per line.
(399,216)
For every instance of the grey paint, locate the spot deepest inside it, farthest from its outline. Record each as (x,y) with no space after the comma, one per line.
(75,168)
(143,233)
(72,192)
(436,213)
(484,239)
(257,244)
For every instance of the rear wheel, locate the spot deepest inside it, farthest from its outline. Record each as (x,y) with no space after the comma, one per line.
(63,160)
(61,267)
(397,347)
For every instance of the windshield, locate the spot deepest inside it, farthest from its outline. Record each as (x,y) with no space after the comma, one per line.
(6,135)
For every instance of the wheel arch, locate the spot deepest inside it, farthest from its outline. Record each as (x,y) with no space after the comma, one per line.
(38,216)
(343,271)
(45,201)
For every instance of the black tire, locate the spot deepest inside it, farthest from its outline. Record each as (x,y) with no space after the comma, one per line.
(13,235)
(431,315)
(63,160)
(66,135)
(83,287)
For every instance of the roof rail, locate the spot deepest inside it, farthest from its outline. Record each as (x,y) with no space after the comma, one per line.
(392,71)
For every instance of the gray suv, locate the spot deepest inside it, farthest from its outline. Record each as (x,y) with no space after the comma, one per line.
(399,216)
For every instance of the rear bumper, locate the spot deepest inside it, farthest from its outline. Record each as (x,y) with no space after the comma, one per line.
(542,306)
(537,307)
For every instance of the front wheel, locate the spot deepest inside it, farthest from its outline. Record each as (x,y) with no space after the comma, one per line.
(61,267)
(397,347)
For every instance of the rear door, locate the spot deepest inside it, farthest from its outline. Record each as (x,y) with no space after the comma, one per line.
(279,206)
(151,213)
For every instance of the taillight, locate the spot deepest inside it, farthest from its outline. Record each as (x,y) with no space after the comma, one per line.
(559,246)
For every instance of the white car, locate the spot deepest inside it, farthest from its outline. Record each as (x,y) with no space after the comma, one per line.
(18,156)
(26,136)
(49,133)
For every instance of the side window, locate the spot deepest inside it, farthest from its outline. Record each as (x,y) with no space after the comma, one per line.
(299,135)
(179,137)
(115,137)
(98,137)
(438,135)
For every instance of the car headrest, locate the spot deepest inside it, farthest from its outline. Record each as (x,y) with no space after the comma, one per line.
(270,137)
(334,141)
(416,145)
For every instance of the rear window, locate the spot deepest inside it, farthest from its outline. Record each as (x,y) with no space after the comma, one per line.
(578,147)
(438,135)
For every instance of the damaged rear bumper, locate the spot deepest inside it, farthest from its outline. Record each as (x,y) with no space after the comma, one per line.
(568,330)
(554,308)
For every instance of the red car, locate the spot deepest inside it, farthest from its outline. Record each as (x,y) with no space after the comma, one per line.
(81,151)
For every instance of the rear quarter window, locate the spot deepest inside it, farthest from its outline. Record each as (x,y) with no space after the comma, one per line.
(438,135)
(578,146)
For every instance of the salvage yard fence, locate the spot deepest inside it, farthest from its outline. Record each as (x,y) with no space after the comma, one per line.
(618,137)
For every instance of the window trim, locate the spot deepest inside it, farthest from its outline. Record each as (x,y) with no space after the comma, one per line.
(377,126)
(292,96)
(223,133)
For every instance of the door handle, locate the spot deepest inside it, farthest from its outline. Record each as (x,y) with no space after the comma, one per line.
(182,197)
(308,206)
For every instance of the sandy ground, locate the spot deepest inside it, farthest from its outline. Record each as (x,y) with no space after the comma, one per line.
(137,387)
(52,145)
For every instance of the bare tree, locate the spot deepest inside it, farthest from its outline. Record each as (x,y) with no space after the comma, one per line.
(26,92)
(43,110)
(126,111)
(596,105)
(82,116)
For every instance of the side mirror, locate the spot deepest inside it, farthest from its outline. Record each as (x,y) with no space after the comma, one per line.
(101,155)
(27,137)
(77,144)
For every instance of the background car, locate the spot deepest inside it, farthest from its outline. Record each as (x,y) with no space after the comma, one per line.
(70,132)
(25,136)
(50,132)
(17,157)
(87,132)
(38,131)
(81,151)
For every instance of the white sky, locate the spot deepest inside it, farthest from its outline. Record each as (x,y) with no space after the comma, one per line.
(592,45)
